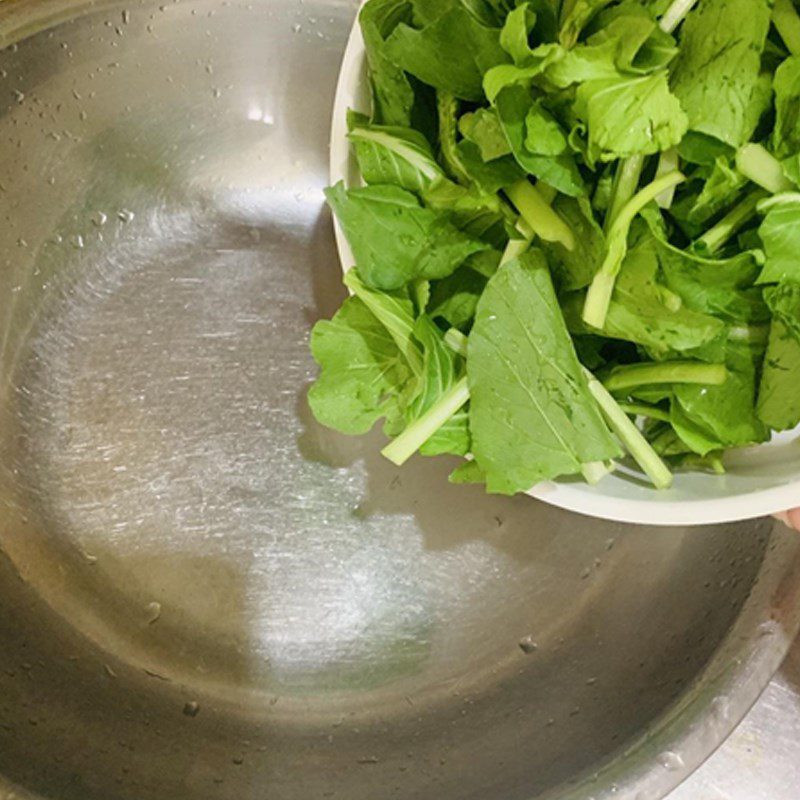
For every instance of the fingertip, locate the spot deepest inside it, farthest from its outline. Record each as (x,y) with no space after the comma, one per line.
(794,519)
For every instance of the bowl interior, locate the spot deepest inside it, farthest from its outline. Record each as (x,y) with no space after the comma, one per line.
(759,480)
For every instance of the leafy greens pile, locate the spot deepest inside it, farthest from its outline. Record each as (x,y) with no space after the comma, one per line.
(578,236)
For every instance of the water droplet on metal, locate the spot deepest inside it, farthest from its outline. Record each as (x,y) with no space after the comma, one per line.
(99,218)
(153,612)
(125,216)
(77,241)
(721,708)
(768,628)
(192,708)
(671,761)
(528,645)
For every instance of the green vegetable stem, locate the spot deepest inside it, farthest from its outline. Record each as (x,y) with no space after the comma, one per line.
(599,296)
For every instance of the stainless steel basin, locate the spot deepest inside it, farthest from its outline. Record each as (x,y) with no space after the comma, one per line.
(205,595)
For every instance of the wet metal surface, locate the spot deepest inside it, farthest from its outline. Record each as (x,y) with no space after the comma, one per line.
(761,760)
(205,595)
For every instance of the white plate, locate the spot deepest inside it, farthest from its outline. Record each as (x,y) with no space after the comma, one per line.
(760,480)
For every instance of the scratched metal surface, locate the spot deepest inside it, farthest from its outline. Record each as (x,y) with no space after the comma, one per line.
(761,759)
(203,593)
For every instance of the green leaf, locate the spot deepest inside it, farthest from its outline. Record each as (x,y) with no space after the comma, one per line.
(641,45)
(693,436)
(720,188)
(489,12)
(395,311)
(505,75)
(724,288)
(394,239)
(531,415)
(514,37)
(362,370)
(630,115)
(780,233)
(440,373)
(543,135)
(786,134)
(717,75)
(491,176)
(455,298)
(451,439)
(726,413)
(467,473)
(697,148)
(400,156)
(779,393)
(475,212)
(574,269)
(483,128)
(392,94)
(644,311)
(628,41)
(582,63)
(513,105)
(439,367)
(575,15)
(451,53)
(447,111)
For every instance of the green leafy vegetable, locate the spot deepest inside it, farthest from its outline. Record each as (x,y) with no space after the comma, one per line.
(780,232)
(483,128)
(514,109)
(630,115)
(419,243)
(602,287)
(574,268)
(645,311)
(450,53)
(441,371)
(401,156)
(727,412)
(786,135)
(362,373)
(558,187)
(717,75)
(455,299)
(779,394)
(575,15)
(531,415)
(395,311)
(393,96)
